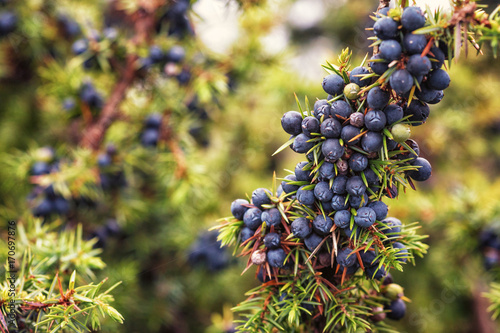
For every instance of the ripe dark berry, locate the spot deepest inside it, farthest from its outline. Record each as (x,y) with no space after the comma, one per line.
(427,95)
(331,128)
(418,65)
(104,160)
(326,170)
(419,112)
(287,187)
(45,208)
(374,272)
(319,103)
(358,201)
(391,225)
(378,67)
(322,111)
(292,122)
(61,206)
(401,81)
(424,172)
(397,309)
(371,177)
(437,57)
(358,162)
(340,109)
(176,54)
(272,217)
(342,218)
(322,225)
(365,217)
(438,79)
(276,257)
(252,218)
(348,133)
(312,241)
(355,186)
(402,254)
(40,168)
(272,240)
(414,44)
(333,84)
(301,228)
(332,150)
(149,138)
(8,22)
(79,46)
(352,232)
(368,257)
(385,28)
(339,202)
(438,98)
(153,121)
(382,12)
(156,54)
(349,270)
(371,142)
(261,197)
(310,125)
(300,144)
(375,120)
(390,50)
(377,98)
(301,174)
(339,184)
(305,197)
(380,209)
(356,76)
(345,257)
(90,96)
(322,191)
(412,18)
(393,113)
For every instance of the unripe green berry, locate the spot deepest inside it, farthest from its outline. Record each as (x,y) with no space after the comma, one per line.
(394,291)
(351,91)
(401,132)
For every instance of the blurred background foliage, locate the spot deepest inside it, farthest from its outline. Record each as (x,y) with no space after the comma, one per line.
(243,91)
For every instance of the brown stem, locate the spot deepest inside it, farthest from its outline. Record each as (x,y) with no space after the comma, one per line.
(483,322)
(168,136)
(94,133)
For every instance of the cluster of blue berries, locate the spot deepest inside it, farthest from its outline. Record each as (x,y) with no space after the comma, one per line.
(176,21)
(363,121)
(151,132)
(208,252)
(110,174)
(44,200)
(489,245)
(89,47)
(171,61)
(414,59)
(262,224)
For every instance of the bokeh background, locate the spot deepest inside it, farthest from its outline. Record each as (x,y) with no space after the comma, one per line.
(266,52)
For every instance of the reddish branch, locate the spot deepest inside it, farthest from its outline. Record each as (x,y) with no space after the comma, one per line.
(94,133)
(167,134)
